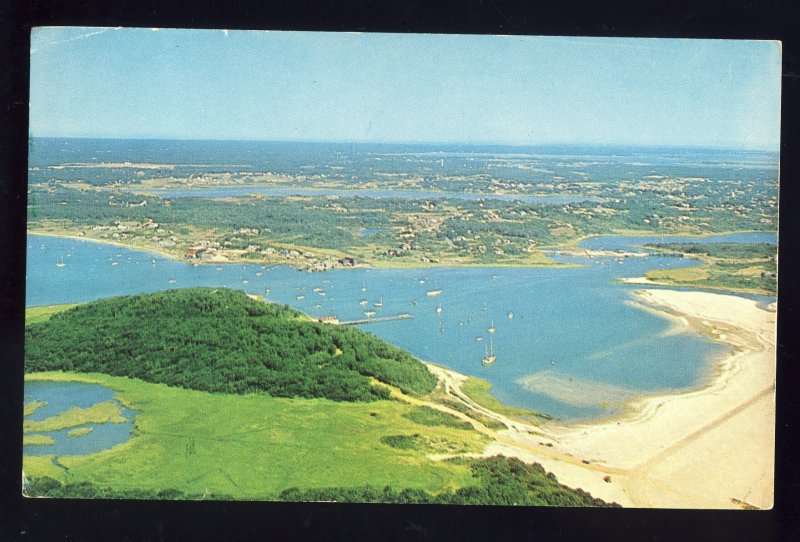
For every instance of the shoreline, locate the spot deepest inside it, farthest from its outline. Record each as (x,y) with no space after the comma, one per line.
(710,447)
(238,260)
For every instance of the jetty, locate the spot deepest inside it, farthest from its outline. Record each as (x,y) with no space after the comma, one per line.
(333,320)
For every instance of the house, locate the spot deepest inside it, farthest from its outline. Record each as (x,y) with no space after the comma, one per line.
(194,252)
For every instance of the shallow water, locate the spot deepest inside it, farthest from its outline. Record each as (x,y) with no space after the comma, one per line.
(572,328)
(60,397)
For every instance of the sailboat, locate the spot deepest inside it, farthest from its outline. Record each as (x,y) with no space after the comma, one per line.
(379,303)
(439,309)
(363,286)
(434,293)
(491,329)
(60,263)
(490,357)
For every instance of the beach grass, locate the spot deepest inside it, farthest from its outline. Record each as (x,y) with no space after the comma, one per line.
(33,406)
(37,440)
(478,390)
(79,432)
(254,446)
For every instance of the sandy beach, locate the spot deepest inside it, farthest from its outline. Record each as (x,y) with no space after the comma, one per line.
(708,448)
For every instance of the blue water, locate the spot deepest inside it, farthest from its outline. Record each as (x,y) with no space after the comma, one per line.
(239,191)
(61,396)
(576,347)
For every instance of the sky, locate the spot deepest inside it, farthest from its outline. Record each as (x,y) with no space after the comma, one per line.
(523,90)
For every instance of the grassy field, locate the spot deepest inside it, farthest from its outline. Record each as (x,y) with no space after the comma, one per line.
(748,268)
(253,447)
(105,412)
(34,315)
(478,390)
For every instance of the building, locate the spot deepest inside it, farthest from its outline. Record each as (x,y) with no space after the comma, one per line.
(194,253)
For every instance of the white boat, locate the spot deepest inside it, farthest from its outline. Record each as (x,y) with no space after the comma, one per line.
(369,314)
(172,281)
(489,358)
(245,281)
(438,309)
(114,263)
(60,263)
(510,315)
(301,297)
(363,286)
(434,293)
(363,302)
(259,273)
(379,303)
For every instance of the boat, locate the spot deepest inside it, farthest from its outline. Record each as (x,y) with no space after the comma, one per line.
(266,290)
(510,315)
(153,261)
(317,290)
(434,293)
(60,263)
(478,339)
(363,302)
(114,263)
(259,273)
(490,357)
(438,309)
(301,297)
(219,269)
(172,281)
(318,306)
(363,286)
(245,281)
(379,303)
(491,328)
(369,314)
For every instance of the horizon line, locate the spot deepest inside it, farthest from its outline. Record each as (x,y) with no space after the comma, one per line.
(727,147)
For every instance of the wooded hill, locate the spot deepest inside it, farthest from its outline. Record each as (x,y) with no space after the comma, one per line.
(220,340)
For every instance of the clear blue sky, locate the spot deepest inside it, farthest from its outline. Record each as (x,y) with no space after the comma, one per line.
(213,84)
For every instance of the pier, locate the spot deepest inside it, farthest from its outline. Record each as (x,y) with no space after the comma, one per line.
(334,321)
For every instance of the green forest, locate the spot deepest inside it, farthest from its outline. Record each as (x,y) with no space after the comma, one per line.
(220,340)
(501,481)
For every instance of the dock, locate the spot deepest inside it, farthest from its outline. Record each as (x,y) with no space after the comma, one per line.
(404,316)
